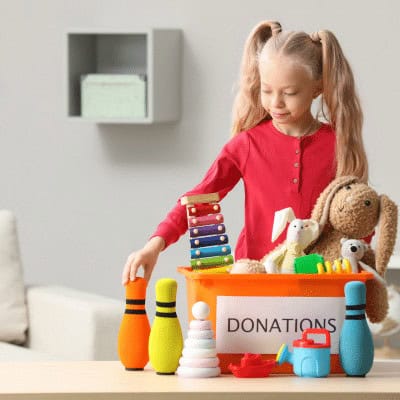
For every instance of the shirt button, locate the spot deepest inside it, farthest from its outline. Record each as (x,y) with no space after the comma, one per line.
(295,180)
(297,151)
(296,165)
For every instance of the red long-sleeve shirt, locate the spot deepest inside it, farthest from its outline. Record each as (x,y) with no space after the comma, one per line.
(278,171)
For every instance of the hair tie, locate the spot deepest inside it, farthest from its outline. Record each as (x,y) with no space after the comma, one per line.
(315,37)
(275,28)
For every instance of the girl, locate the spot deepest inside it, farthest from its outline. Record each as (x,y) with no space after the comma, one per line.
(284,154)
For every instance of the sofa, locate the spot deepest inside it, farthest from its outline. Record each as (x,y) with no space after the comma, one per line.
(48,322)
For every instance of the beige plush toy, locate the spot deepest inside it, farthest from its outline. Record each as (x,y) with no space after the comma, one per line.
(247,266)
(350,208)
(300,233)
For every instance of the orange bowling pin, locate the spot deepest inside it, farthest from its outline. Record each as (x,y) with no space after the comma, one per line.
(134,332)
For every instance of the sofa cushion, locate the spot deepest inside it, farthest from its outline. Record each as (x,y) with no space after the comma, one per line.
(12,352)
(13,310)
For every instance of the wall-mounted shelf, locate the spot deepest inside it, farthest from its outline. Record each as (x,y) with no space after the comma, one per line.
(155,53)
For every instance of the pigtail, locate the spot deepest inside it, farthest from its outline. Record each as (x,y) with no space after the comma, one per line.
(343,105)
(247,109)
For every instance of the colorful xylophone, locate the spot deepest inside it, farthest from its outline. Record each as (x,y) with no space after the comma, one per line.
(208,240)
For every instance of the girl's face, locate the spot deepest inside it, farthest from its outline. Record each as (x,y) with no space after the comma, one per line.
(287,91)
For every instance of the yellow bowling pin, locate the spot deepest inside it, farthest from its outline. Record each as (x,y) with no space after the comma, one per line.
(166,340)
(133,337)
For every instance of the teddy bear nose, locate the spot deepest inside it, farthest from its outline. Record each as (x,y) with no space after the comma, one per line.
(353,249)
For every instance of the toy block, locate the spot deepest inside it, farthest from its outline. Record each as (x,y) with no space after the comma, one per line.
(199,198)
(347,266)
(320,268)
(328,267)
(308,264)
(338,266)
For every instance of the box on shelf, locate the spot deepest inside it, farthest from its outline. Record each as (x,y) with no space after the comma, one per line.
(113,96)
(256,313)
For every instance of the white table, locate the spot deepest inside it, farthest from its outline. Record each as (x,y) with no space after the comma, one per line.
(102,380)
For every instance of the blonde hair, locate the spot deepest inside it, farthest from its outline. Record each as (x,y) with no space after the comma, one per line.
(340,105)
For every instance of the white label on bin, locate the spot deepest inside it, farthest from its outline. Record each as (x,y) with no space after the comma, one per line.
(246,324)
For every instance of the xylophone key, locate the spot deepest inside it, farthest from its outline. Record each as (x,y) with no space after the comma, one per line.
(199,210)
(210,251)
(211,261)
(209,241)
(205,220)
(207,230)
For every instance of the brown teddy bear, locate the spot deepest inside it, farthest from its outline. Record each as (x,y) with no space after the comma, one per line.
(348,208)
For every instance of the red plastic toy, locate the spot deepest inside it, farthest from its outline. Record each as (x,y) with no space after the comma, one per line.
(252,366)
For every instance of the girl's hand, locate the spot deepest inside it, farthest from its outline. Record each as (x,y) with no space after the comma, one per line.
(145,257)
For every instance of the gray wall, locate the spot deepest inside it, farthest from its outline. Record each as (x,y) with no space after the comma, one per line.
(86,195)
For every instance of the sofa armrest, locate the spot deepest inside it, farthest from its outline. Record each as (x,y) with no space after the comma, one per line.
(73,325)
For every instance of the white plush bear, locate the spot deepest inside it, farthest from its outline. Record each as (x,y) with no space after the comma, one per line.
(353,250)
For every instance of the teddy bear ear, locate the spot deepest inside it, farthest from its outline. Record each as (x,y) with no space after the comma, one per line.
(320,212)
(387,230)
(343,240)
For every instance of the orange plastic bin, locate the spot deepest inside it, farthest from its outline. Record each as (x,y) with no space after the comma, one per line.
(256,313)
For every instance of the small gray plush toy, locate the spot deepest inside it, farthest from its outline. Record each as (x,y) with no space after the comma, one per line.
(354,251)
